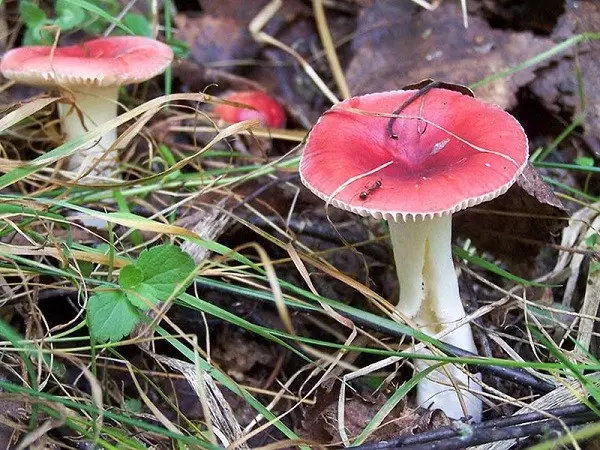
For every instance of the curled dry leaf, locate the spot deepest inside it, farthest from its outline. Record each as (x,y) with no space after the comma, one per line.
(531,216)
(398,43)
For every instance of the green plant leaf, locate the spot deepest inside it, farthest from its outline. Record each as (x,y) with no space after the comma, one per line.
(163,268)
(585,161)
(32,36)
(133,405)
(95,25)
(86,268)
(130,277)
(138,24)
(69,16)
(110,6)
(39,35)
(591,240)
(144,296)
(32,14)
(111,316)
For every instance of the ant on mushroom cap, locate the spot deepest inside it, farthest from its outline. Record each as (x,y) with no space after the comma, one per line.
(373,187)
(423,88)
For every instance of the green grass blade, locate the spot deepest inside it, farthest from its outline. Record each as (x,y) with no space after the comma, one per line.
(559,48)
(484,264)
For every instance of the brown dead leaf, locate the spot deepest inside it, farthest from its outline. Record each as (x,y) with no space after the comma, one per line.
(530,216)
(398,43)
(215,39)
(14,408)
(320,421)
(533,184)
(556,86)
(243,15)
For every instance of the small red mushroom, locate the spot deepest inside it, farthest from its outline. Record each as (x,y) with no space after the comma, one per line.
(90,74)
(259,106)
(447,152)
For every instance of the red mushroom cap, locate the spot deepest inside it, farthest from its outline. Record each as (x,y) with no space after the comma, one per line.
(111,61)
(463,153)
(266,109)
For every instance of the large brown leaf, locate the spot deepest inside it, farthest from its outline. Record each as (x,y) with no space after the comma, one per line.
(398,43)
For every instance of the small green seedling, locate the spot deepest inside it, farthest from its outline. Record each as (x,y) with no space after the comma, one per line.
(73,15)
(160,273)
(133,405)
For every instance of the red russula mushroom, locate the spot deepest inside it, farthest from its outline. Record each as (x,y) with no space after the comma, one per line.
(260,106)
(90,74)
(452,152)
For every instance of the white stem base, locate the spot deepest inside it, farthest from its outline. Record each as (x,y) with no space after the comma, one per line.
(429,295)
(95,107)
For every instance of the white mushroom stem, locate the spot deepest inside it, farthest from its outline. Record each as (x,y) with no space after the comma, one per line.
(94,107)
(429,295)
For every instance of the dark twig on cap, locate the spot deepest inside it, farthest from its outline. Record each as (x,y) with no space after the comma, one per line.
(405,105)
(424,87)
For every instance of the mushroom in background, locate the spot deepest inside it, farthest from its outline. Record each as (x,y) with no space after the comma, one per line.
(451,152)
(89,75)
(264,108)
